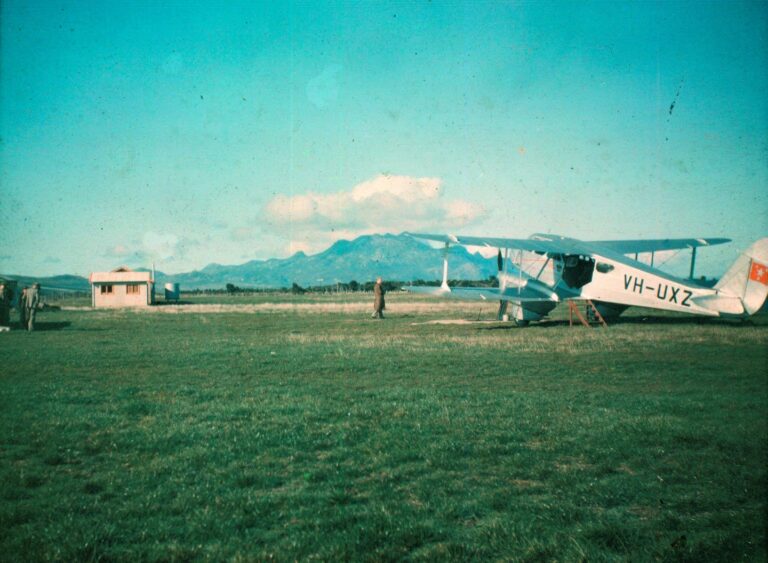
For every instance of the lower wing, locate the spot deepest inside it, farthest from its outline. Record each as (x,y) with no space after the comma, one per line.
(481,294)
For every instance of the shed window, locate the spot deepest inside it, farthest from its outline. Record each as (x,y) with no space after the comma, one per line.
(132,289)
(106,289)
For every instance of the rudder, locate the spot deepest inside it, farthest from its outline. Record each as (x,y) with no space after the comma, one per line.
(747,278)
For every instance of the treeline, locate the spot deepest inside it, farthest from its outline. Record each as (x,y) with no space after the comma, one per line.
(352,286)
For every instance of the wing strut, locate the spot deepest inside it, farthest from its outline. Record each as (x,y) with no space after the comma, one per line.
(693,262)
(444,285)
(502,277)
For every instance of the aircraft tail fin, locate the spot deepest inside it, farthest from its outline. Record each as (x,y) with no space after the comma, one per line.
(747,279)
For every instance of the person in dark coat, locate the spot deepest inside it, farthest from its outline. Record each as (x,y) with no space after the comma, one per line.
(378,300)
(5,304)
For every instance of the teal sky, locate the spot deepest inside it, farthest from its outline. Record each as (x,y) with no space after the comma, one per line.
(194,132)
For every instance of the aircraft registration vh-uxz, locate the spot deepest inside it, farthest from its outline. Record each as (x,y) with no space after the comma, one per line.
(537,273)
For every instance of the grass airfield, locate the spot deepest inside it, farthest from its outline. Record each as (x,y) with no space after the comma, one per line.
(253,428)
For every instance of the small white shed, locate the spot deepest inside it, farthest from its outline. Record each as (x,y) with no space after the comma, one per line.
(122,288)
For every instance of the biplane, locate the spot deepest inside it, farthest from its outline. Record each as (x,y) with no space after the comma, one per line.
(537,273)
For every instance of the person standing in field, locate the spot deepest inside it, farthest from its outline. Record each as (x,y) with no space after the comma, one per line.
(378,300)
(22,306)
(31,300)
(5,305)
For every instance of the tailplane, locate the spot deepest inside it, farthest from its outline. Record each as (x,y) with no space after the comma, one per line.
(747,279)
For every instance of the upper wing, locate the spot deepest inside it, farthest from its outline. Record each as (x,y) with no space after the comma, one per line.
(637,246)
(554,244)
(538,243)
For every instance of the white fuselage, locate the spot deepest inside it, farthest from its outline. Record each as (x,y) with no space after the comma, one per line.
(636,287)
(603,279)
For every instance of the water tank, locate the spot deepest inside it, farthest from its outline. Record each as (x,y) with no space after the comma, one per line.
(172,292)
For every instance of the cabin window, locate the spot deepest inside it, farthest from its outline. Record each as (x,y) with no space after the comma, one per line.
(132,289)
(106,289)
(604,268)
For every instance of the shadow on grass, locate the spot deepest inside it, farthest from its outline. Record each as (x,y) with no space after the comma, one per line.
(658,320)
(43,325)
(645,320)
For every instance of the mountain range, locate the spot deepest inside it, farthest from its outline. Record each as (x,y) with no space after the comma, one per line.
(393,257)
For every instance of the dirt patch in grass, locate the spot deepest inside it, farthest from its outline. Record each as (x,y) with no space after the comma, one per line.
(457,322)
(526,483)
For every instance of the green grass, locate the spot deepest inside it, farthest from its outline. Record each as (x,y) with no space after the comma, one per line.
(315,432)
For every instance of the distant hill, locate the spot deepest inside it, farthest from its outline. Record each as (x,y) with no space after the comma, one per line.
(55,283)
(393,257)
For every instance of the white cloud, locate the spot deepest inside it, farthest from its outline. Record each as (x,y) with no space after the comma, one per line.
(298,246)
(160,246)
(324,88)
(119,250)
(382,204)
(240,234)
(153,247)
